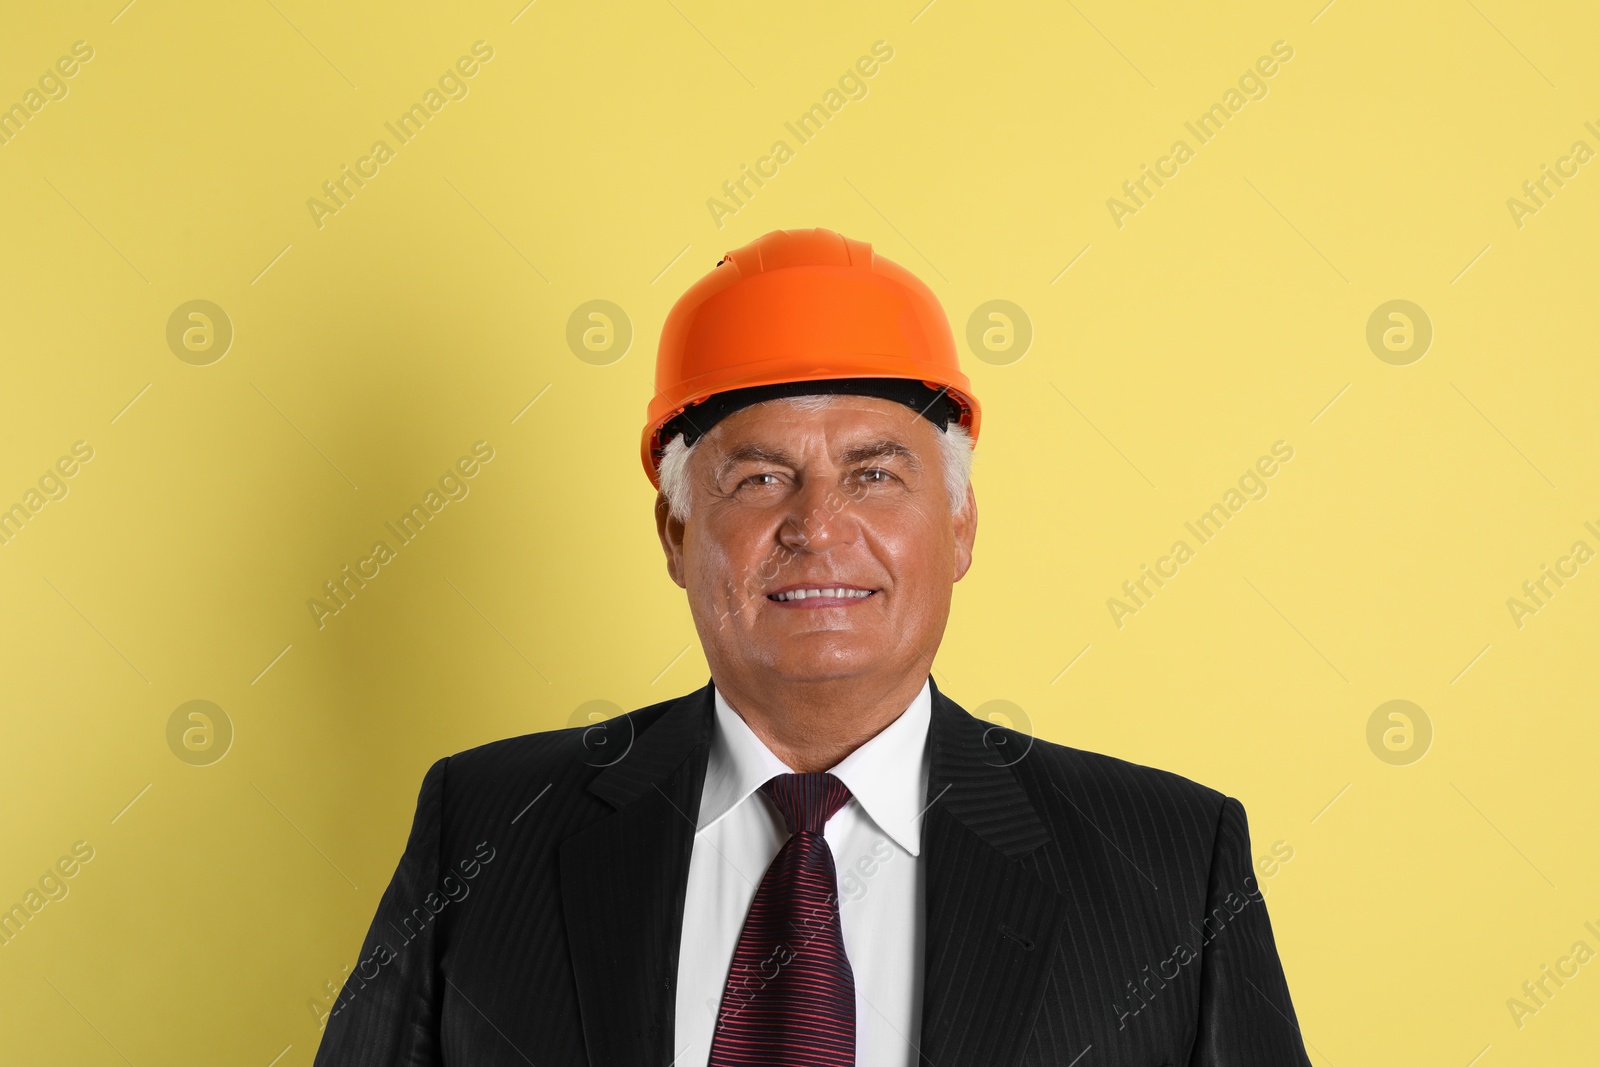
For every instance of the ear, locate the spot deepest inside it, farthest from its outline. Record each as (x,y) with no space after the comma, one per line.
(966,531)
(670,530)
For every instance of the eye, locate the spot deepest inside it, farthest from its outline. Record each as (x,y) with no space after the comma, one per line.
(868,472)
(753,479)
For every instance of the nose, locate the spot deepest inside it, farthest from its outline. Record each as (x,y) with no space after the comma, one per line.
(819,518)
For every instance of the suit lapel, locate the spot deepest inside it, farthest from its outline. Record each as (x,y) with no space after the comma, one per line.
(623,881)
(991,924)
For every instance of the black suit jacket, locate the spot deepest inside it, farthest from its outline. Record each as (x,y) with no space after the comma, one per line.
(1080,910)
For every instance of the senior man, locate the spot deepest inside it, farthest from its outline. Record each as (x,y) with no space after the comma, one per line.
(817,858)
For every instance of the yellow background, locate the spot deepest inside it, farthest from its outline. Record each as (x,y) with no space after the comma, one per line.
(1229,313)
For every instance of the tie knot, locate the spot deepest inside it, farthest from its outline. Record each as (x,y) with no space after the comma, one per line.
(807,801)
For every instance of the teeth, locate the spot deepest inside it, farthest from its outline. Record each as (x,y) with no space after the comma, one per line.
(801,594)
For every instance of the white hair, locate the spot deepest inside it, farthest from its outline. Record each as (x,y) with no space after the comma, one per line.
(955,450)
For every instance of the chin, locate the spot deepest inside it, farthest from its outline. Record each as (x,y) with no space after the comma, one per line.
(827,660)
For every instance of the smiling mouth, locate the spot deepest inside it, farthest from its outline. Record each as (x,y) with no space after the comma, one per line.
(821,596)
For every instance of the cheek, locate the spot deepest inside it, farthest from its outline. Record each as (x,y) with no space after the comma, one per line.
(723,563)
(916,545)
(702,562)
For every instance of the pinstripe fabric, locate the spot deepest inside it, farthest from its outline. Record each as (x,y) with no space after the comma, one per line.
(790,996)
(1080,909)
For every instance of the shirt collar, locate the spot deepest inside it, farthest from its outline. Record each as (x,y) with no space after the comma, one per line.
(887,775)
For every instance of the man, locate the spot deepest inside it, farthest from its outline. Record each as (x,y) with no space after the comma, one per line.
(818,858)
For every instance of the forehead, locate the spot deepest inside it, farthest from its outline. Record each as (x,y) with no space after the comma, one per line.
(847,422)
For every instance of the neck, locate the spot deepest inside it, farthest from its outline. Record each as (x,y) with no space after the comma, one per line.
(813,725)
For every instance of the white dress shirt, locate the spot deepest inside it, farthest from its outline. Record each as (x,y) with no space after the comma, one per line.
(875,839)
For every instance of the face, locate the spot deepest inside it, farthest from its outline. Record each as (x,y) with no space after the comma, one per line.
(848,498)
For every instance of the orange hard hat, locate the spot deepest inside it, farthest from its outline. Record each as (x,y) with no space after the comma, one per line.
(795,307)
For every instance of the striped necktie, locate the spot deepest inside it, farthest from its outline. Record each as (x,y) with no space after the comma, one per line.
(790,996)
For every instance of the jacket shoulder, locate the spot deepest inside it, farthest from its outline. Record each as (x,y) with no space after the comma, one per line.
(497,782)
(1121,792)
(544,750)
(1142,827)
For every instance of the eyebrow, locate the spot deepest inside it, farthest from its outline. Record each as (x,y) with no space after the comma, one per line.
(884,448)
(887,448)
